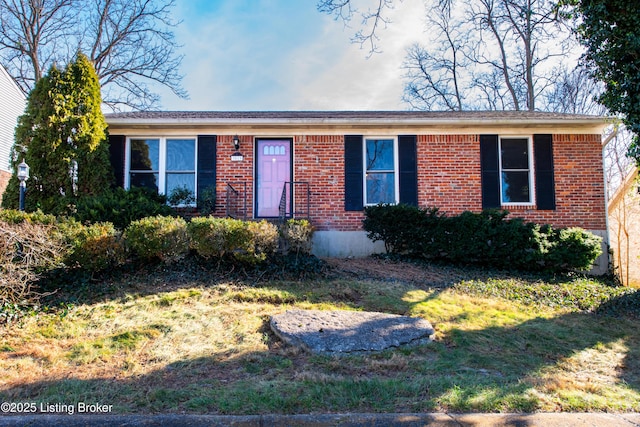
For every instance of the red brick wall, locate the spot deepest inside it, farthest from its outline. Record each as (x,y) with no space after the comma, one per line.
(449,173)
(234,172)
(319,160)
(448,178)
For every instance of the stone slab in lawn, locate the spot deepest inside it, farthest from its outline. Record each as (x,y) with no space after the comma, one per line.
(344,332)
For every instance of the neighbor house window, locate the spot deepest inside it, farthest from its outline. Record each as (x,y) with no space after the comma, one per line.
(516,171)
(162,164)
(380,171)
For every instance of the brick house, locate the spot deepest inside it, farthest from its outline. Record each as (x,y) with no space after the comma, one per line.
(12,107)
(544,167)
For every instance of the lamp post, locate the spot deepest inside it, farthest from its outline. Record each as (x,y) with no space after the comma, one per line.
(23,176)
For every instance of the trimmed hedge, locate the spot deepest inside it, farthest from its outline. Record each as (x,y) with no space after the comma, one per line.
(297,236)
(158,237)
(487,238)
(100,246)
(243,241)
(95,247)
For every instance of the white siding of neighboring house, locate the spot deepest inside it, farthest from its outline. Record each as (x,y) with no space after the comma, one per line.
(624,226)
(12,104)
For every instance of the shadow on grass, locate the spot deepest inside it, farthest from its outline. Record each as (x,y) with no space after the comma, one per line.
(492,369)
(66,286)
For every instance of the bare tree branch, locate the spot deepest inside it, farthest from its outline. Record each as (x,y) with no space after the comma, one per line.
(435,79)
(31,34)
(130,42)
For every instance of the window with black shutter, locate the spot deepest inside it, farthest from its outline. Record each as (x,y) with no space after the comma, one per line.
(380,170)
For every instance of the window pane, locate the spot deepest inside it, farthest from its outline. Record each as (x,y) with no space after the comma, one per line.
(146,180)
(181,154)
(380,154)
(145,154)
(515,153)
(181,180)
(515,187)
(380,188)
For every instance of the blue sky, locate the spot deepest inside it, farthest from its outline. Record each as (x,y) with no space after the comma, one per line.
(284,55)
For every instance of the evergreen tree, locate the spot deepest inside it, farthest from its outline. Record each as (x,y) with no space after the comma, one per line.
(62,136)
(609,31)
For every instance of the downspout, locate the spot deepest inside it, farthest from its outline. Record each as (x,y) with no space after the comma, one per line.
(616,129)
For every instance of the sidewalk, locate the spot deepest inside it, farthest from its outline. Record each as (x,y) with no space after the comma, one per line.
(322,420)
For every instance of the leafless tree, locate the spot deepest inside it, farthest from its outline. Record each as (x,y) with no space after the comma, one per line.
(373,15)
(504,50)
(33,36)
(573,92)
(130,42)
(436,77)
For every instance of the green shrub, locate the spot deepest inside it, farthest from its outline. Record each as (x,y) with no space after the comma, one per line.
(180,196)
(399,226)
(572,248)
(207,201)
(14,216)
(221,238)
(297,235)
(158,237)
(95,247)
(120,207)
(487,238)
(265,238)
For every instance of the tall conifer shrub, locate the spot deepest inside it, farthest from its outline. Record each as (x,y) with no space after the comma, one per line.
(62,137)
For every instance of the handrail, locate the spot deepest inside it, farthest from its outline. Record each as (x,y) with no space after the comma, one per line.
(236,205)
(295,201)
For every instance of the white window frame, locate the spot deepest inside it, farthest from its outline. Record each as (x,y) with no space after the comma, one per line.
(396,174)
(531,174)
(162,162)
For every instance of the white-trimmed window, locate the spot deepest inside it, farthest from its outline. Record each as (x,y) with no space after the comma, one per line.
(162,164)
(516,171)
(381,166)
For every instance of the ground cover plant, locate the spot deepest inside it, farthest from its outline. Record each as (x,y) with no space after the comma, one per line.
(194,337)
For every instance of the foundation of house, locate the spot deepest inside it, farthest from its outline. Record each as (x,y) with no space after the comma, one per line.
(356,244)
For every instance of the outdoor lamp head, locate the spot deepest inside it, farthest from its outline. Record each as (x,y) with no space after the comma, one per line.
(23,171)
(236,142)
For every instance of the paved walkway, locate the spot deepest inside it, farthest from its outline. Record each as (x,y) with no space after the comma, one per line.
(322,420)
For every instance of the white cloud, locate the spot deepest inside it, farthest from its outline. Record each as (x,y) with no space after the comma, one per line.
(276,58)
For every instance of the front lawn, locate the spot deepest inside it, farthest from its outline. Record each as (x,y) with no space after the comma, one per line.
(181,339)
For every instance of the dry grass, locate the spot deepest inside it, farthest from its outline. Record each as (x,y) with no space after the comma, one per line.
(205,346)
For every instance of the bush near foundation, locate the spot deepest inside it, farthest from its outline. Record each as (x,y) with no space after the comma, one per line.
(94,247)
(159,237)
(121,207)
(487,238)
(220,238)
(296,236)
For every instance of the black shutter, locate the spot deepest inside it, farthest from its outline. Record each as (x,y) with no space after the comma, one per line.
(206,168)
(116,157)
(407,162)
(353,170)
(490,171)
(543,168)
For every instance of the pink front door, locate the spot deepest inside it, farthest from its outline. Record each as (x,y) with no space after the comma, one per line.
(273,169)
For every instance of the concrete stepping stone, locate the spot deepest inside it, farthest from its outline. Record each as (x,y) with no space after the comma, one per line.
(345,332)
